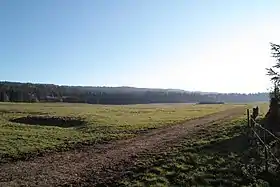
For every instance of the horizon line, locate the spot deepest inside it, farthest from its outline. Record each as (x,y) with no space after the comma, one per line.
(152,88)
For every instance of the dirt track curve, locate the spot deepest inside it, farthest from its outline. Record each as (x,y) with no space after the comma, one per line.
(96,163)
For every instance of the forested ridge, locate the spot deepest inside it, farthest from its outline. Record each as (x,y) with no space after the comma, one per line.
(29,92)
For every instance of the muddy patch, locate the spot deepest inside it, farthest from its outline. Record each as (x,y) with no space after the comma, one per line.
(64,122)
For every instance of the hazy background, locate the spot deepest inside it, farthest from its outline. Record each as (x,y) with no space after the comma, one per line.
(220,46)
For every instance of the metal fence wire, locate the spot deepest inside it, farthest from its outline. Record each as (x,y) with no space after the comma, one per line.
(265,143)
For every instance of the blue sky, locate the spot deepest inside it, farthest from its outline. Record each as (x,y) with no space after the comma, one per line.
(200,45)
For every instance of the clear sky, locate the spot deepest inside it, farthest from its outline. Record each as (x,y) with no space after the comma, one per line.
(197,45)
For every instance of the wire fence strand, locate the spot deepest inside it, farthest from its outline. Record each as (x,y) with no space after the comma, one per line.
(252,124)
(266,147)
(266,130)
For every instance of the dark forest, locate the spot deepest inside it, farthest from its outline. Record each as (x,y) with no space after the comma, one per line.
(28,92)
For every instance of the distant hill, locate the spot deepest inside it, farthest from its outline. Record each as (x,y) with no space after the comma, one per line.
(30,92)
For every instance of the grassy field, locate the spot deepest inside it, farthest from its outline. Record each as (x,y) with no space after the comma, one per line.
(33,128)
(216,156)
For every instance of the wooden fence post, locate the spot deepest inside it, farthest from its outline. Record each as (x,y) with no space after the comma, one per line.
(258,137)
(248,118)
(248,127)
(265,152)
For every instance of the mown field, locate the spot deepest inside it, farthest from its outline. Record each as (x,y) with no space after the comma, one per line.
(217,156)
(36,128)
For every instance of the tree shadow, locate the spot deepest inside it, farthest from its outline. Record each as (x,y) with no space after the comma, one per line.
(64,122)
(239,146)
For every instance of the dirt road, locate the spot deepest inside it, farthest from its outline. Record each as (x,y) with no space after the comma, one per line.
(91,165)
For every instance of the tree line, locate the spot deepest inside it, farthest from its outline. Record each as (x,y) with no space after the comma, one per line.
(28,92)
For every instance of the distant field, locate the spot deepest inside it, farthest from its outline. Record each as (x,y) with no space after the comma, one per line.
(30,128)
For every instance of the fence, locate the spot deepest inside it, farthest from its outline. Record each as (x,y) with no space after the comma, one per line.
(264,141)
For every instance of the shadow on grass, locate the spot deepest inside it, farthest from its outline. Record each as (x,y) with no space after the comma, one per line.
(237,144)
(64,122)
(237,153)
(213,158)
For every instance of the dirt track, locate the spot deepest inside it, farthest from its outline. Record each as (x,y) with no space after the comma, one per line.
(95,164)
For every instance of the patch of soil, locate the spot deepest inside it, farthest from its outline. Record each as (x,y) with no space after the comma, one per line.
(64,122)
